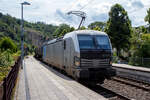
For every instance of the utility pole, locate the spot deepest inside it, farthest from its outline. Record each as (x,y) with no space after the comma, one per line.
(80,14)
(22,33)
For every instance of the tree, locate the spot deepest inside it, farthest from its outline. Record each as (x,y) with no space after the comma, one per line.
(143,29)
(135,42)
(119,28)
(82,28)
(144,50)
(97,28)
(101,25)
(72,29)
(147,18)
(62,30)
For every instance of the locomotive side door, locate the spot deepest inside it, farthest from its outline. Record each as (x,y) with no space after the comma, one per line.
(67,51)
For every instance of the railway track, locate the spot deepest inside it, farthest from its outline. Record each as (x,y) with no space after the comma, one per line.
(133,90)
(107,93)
(137,84)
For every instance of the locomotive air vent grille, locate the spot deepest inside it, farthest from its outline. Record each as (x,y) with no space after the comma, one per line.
(94,62)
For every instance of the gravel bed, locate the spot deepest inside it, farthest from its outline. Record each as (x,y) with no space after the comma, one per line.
(127,90)
(144,85)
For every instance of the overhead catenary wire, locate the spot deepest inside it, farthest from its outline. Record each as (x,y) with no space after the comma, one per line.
(80,13)
(90,1)
(71,6)
(2,10)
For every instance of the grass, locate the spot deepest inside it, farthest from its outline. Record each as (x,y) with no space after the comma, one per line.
(6,61)
(3,72)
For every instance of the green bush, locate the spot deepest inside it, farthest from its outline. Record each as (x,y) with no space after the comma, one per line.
(6,59)
(3,72)
(6,43)
(145,46)
(141,54)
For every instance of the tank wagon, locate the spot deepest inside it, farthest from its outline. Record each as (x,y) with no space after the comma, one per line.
(38,52)
(85,55)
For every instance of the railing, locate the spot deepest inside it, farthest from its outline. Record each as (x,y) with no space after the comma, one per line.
(9,81)
(140,61)
(1,90)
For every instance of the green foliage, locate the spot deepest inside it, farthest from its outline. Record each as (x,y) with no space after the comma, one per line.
(6,43)
(62,30)
(6,59)
(3,72)
(147,18)
(9,26)
(6,29)
(140,45)
(119,28)
(143,29)
(72,29)
(135,41)
(16,55)
(82,28)
(29,50)
(45,29)
(144,50)
(97,28)
(100,25)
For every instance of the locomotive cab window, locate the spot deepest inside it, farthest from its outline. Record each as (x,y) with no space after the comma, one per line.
(102,42)
(86,42)
(93,42)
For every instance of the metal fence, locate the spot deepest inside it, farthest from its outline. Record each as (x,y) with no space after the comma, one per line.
(1,90)
(136,61)
(10,80)
(140,62)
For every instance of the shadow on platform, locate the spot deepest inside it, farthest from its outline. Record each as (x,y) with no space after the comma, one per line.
(56,72)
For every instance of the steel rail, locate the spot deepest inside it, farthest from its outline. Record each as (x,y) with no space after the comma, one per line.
(131,83)
(109,94)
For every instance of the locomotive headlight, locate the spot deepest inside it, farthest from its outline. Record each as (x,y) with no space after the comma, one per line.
(77,61)
(110,62)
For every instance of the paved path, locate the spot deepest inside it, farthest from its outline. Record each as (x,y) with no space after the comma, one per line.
(40,82)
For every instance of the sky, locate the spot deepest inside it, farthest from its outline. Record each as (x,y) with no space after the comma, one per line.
(55,11)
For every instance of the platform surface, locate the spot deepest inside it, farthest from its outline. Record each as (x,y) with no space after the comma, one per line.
(132,67)
(38,81)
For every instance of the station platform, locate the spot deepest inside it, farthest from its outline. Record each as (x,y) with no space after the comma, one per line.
(38,81)
(136,73)
(126,66)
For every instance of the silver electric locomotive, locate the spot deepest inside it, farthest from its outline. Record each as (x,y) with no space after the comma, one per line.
(85,55)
